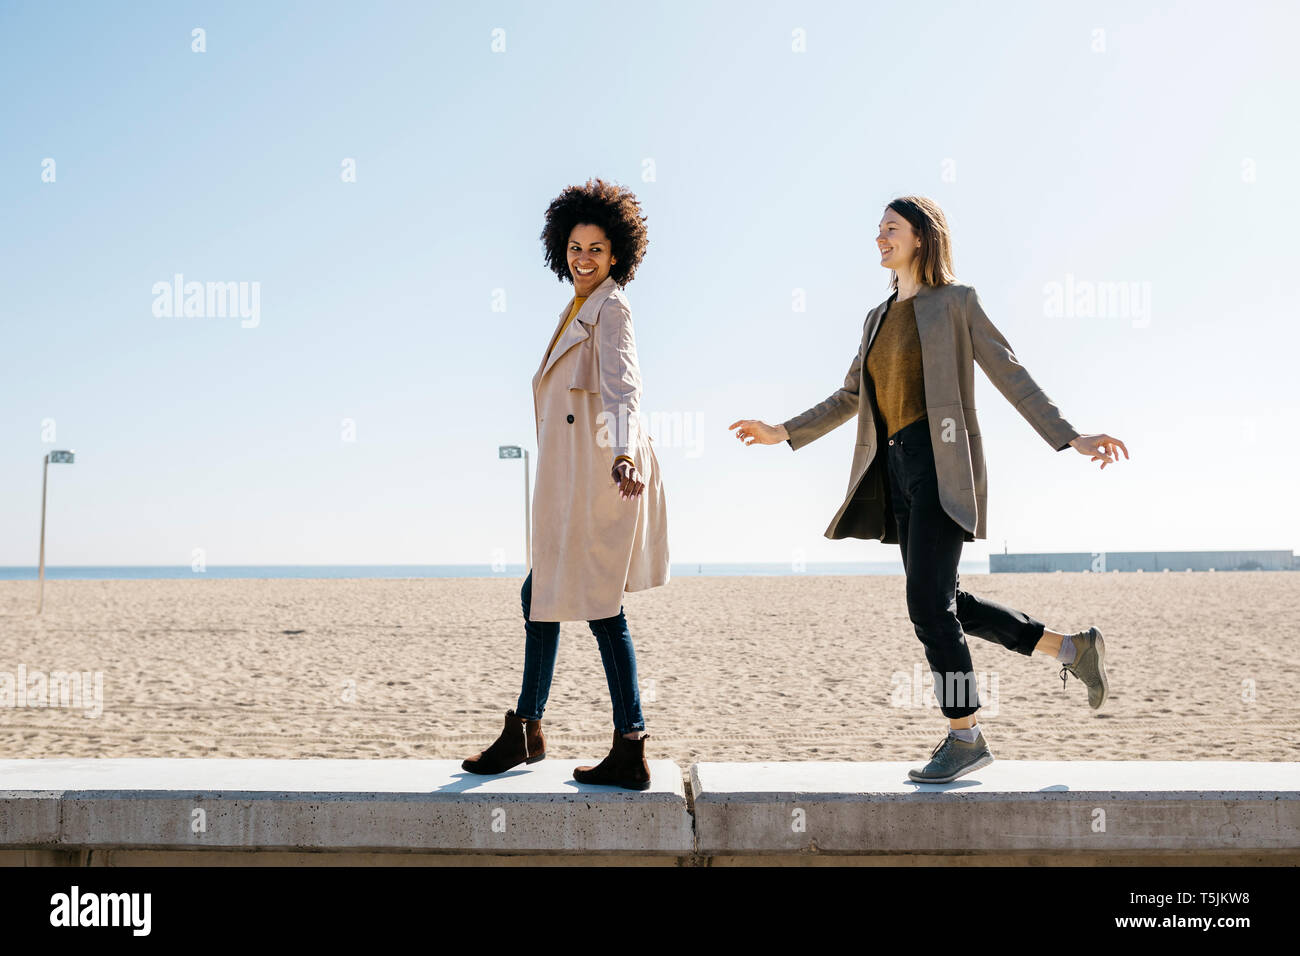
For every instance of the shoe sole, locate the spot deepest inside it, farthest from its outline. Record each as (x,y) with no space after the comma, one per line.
(1100,647)
(983,761)
(483,773)
(625,786)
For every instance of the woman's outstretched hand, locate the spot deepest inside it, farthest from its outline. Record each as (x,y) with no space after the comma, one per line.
(752,432)
(628,480)
(1102,448)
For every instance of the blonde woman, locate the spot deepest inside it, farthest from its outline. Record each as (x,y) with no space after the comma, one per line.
(918,477)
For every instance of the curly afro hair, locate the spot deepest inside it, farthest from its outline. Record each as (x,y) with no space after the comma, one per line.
(597,203)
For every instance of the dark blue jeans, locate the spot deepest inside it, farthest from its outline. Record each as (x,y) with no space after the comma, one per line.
(542,641)
(941,613)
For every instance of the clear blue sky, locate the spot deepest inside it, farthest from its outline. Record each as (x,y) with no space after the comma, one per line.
(1160,151)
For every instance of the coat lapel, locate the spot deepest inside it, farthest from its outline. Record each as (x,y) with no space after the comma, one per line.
(923,305)
(873,322)
(579,329)
(929,314)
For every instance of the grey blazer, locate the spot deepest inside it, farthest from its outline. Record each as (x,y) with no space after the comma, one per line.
(955,333)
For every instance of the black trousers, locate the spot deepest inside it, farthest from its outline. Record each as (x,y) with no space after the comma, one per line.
(940,611)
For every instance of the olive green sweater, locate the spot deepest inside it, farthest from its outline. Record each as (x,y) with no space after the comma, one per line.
(894,364)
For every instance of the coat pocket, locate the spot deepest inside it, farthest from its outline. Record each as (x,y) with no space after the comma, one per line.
(978,473)
(952,448)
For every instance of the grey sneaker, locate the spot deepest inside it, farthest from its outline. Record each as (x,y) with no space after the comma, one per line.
(953,758)
(1089,665)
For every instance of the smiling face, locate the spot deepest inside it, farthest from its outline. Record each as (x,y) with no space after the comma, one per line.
(898,243)
(589,257)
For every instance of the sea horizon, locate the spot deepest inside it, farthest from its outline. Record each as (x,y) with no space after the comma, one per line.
(420,571)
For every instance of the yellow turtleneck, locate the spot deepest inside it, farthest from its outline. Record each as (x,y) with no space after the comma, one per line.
(577,307)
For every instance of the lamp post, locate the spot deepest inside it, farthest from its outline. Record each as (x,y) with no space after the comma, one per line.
(514,451)
(58,457)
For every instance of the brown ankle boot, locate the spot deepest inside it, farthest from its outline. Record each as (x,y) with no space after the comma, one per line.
(625,766)
(521,741)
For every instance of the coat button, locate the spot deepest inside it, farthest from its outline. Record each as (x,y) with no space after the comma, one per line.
(891,441)
(570,419)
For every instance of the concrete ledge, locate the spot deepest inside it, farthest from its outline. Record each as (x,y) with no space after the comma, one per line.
(429,812)
(418,858)
(1012,807)
(348,805)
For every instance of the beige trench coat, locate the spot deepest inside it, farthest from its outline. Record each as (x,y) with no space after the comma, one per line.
(589,545)
(955,333)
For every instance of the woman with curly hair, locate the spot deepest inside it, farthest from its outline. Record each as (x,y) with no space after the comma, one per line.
(918,477)
(599,520)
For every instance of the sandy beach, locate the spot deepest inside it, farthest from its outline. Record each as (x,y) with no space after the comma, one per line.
(740,668)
